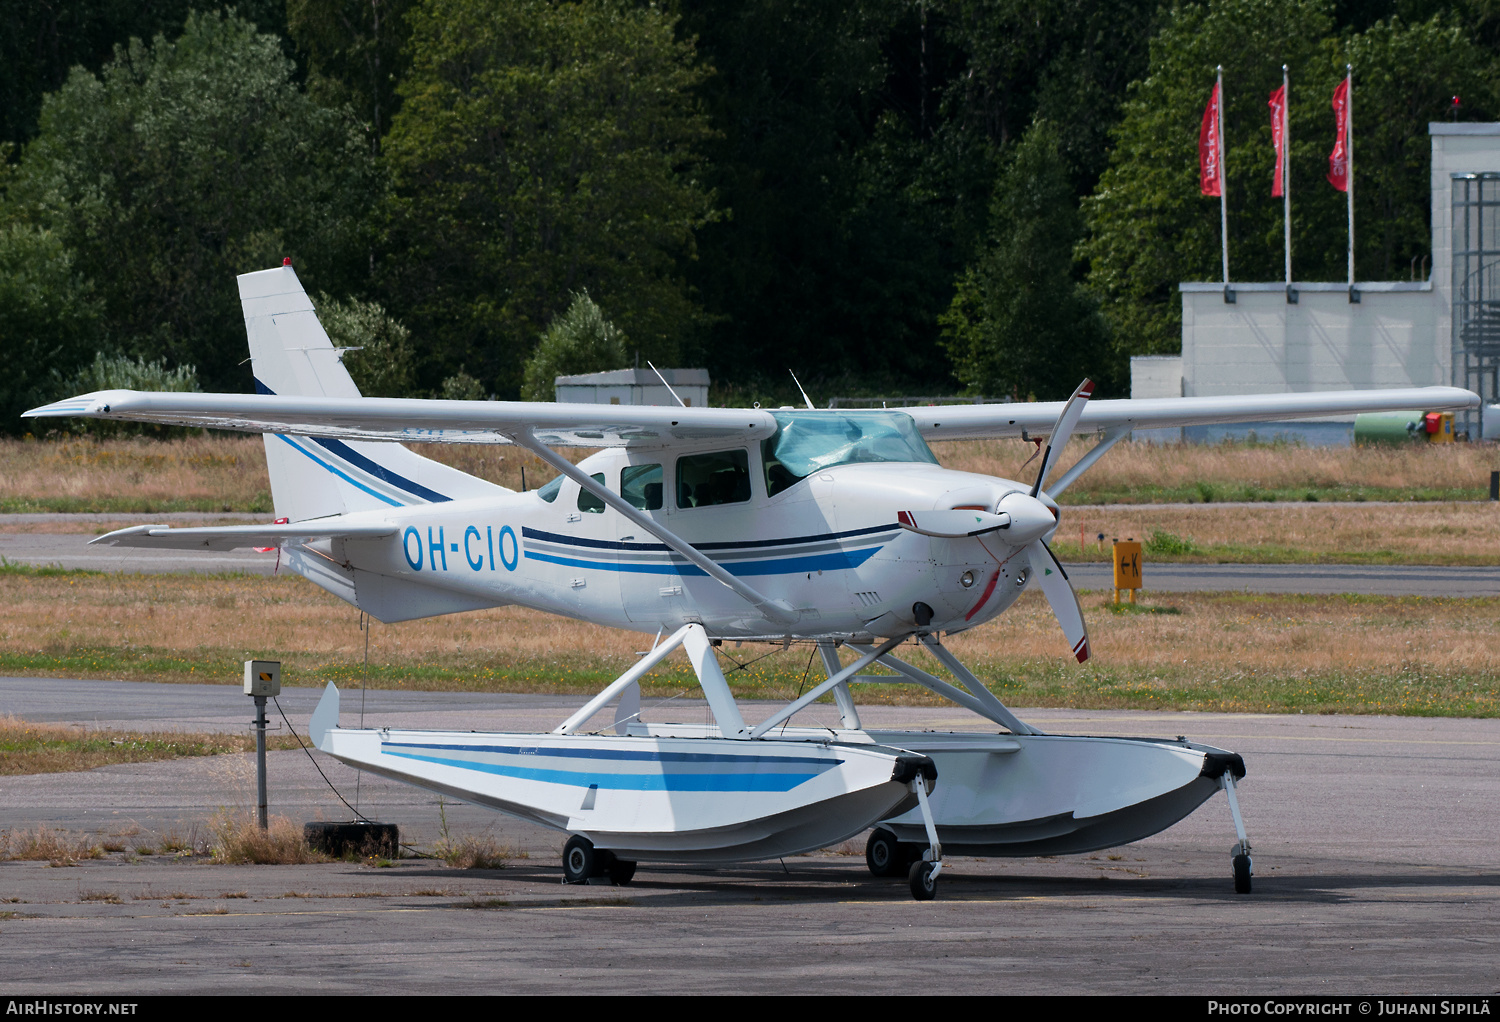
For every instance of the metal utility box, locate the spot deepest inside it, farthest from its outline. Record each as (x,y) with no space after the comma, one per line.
(1438,427)
(262,677)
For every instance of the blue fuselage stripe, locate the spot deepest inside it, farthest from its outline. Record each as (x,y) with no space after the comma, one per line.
(771,566)
(342,475)
(353,457)
(604,544)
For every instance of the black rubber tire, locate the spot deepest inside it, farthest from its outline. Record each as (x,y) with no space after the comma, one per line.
(355,839)
(921,881)
(884,855)
(580,861)
(1242,874)
(621,872)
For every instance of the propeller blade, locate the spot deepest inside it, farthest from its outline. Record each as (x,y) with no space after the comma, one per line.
(1063,431)
(1059,592)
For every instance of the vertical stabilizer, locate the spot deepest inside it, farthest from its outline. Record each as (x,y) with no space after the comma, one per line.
(291,354)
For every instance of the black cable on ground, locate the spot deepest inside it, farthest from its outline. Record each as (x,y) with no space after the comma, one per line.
(314,762)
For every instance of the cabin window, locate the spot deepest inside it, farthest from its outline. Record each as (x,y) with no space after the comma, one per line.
(641,486)
(549,492)
(704,480)
(807,442)
(587,501)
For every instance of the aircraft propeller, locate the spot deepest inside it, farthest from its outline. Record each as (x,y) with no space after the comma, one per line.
(1044,564)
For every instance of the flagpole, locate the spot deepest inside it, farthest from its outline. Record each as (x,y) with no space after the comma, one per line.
(1223,188)
(1286,175)
(1349,157)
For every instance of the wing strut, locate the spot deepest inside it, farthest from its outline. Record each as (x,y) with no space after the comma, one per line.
(776,610)
(1110,438)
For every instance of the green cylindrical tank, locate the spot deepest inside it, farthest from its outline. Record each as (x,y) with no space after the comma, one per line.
(1388,428)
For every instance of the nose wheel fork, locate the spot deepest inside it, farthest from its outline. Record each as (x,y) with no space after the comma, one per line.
(1244,867)
(923,875)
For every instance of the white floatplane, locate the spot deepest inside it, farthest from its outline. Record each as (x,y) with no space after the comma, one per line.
(833,527)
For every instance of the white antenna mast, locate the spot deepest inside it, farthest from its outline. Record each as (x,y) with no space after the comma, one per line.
(804,393)
(680,402)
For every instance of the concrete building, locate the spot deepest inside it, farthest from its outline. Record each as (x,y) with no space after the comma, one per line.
(634,387)
(1441,330)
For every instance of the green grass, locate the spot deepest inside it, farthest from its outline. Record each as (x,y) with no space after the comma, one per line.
(128,504)
(1414,689)
(9,567)
(27,748)
(1224,493)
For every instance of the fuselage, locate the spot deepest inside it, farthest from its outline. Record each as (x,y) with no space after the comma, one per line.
(828,544)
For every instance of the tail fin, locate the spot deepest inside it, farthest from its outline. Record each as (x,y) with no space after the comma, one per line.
(291,354)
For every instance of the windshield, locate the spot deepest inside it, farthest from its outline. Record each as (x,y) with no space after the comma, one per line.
(805,442)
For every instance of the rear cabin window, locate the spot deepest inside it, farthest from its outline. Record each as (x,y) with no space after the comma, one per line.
(641,486)
(549,492)
(705,480)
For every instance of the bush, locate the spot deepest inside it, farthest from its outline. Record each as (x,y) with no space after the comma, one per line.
(379,354)
(1169,544)
(121,372)
(580,340)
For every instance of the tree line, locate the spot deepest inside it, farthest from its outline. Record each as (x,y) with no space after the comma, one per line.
(898,196)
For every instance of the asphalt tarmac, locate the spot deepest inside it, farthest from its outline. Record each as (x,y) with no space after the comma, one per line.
(72,550)
(1374,842)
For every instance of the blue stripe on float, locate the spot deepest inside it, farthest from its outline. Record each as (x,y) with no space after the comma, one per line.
(647,755)
(635,782)
(379,471)
(771,566)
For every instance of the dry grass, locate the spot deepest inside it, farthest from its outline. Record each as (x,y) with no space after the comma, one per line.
(199,628)
(473,852)
(1226,650)
(206,473)
(1457,533)
(1145,472)
(46,845)
(238,839)
(209,473)
(213,473)
(1248,652)
(32,748)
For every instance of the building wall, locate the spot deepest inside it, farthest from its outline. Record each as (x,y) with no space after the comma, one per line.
(1399,334)
(1456,149)
(1263,344)
(634,387)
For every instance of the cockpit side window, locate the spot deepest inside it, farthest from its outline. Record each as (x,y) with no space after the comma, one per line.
(587,501)
(704,480)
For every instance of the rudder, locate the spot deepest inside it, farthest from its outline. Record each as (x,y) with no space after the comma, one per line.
(291,354)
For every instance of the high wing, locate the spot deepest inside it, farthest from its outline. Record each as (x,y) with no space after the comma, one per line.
(238,537)
(415,420)
(975,422)
(572,425)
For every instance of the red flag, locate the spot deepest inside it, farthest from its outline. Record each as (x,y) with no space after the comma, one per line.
(1210,149)
(1277,104)
(1338,160)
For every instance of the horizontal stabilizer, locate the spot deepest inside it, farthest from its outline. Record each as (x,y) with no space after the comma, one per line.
(238,537)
